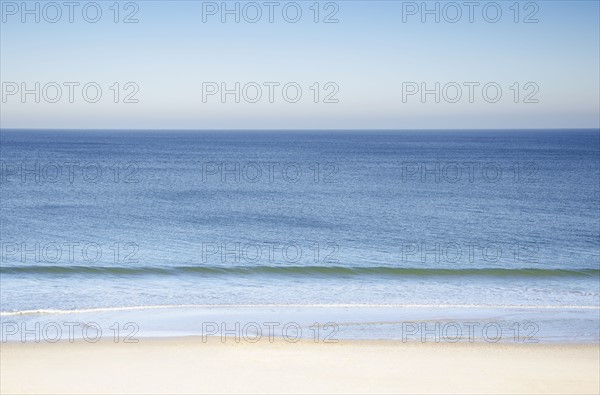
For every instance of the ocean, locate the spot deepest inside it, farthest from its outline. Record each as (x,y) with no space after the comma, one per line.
(365,234)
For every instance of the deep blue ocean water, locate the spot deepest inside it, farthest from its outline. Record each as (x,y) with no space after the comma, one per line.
(365,229)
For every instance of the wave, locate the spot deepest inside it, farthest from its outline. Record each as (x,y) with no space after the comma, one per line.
(384,271)
(340,305)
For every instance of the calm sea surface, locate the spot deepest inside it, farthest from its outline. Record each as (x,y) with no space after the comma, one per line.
(364,229)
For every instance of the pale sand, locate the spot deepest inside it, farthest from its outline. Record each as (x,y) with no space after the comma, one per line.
(187,365)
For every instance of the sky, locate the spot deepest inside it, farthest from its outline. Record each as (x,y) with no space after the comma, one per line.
(300,65)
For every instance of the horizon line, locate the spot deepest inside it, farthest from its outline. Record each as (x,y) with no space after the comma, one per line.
(300,130)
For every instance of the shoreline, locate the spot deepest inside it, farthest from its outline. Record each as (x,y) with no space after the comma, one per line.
(191,365)
(402,323)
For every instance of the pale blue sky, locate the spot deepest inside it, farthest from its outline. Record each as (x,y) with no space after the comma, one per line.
(369,53)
